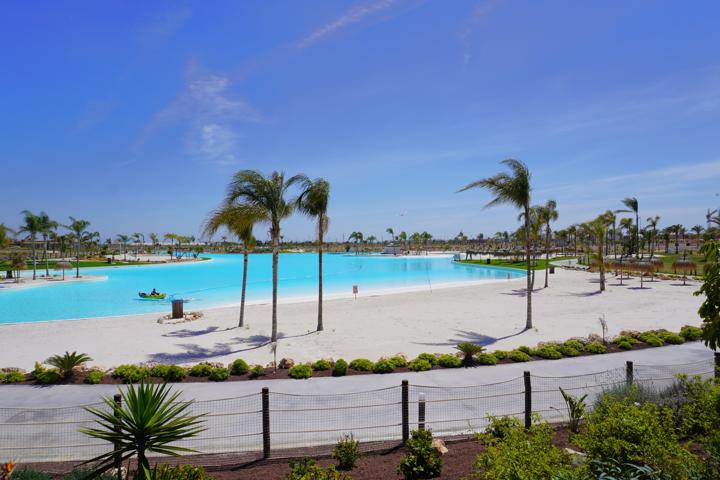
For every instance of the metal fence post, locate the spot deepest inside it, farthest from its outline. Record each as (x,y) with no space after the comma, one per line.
(266,422)
(405,411)
(117,458)
(421,411)
(528,400)
(629,373)
(717,365)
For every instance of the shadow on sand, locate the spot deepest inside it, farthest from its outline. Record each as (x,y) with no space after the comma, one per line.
(472,337)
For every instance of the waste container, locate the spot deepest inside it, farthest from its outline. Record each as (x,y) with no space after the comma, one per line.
(177,308)
(487,260)
(552,269)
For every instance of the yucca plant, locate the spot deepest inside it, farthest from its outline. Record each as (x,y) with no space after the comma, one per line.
(149,419)
(68,362)
(469,350)
(576,409)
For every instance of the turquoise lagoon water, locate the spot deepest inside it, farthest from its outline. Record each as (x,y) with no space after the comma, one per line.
(217,282)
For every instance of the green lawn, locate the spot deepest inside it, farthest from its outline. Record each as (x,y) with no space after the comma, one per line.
(83,264)
(539,263)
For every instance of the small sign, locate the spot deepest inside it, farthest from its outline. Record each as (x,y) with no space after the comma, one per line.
(355,290)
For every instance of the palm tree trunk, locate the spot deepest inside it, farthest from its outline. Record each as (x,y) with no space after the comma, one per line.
(320,275)
(45,253)
(77,265)
(34,259)
(547,254)
(275,253)
(528,321)
(244,284)
(601,262)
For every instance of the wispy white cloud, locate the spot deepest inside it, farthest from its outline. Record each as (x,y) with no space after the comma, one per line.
(473,21)
(214,143)
(347,19)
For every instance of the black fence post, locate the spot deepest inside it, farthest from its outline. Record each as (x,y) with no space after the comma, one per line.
(629,373)
(266,422)
(528,400)
(717,365)
(421,411)
(405,411)
(117,458)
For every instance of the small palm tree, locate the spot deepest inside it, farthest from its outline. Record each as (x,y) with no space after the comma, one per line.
(632,204)
(240,223)
(79,228)
(264,198)
(469,350)
(513,189)
(149,419)
(47,227)
(32,227)
(313,202)
(68,362)
(599,228)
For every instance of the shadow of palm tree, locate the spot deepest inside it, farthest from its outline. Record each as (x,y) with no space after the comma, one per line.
(472,337)
(185,333)
(586,294)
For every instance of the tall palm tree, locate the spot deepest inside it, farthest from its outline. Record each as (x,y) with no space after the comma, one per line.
(632,204)
(599,228)
(652,223)
(32,227)
(698,229)
(313,202)
(391,232)
(264,197)
(549,214)
(238,221)
(47,226)
(124,240)
(513,189)
(79,228)
(139,239)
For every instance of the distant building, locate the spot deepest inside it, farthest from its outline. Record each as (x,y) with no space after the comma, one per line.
(392,249)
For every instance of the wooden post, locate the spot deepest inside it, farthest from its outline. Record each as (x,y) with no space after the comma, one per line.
(177,309)
(528,400)
(266,422)
(117,459)
(405,396)
(629,373)
(421,411)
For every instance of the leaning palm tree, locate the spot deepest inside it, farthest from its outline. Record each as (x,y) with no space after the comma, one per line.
(235,220)
(263,197)
(79,228)
(313,202)
(47,226)
(632,204)
(32,227)
(513,189)
(390,232)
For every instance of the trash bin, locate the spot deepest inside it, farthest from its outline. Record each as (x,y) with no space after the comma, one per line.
(487,260)
(552,269)
(177,308)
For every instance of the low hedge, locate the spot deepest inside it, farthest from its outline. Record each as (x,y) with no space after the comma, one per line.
(361,365)
(302,371)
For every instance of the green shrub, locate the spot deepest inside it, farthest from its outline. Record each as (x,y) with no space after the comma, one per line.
(94,377)
(307,469)
(419,365)
(321,365)
(131,373)
(624,345)
(486,359)
(421,460)
(500,354)
(548,352)
(219,374)
(624,339)
(635,433)
(179,472)
(568,351)
(526,350)
(690,333)
(159,370)
(29,474)
(257,371)
(575,344)
(595,348)
(346,452)
(429,357)
(80,474)
(202,369)
(469,351)
(340,368)
(47,376)
(361,365)
(2,377)
(522,454)
(699,412)
(399,361)
(175,373)
(239,367)
(449,361)
(13,377)
(519,356)
(383,366)
(653,340)
(300,372)
(673,339)
(498,428)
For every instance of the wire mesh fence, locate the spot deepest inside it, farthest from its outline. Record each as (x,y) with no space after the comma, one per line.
(272,424)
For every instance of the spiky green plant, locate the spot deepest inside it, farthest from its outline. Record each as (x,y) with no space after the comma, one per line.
(68,362)
(576,409)
(469,350)
(149,419)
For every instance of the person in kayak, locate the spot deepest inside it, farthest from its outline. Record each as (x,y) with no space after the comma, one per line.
(154,292)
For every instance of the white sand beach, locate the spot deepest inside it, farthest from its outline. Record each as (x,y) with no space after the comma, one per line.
(371,326)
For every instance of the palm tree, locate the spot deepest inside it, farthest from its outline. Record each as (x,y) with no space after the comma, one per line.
(32,227)
(139,239)
(632,204)
(652,223)
(263,197)
(313,202)
(572,231)
(47,226)
(124,240)
(390,232)
(698,229)
(513,189)
(4,238)
(599,228)
(549,214)
(154,239)
(78,227)
(237,221)
(356,237)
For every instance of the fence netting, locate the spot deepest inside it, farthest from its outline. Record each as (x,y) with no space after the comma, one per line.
(312,424)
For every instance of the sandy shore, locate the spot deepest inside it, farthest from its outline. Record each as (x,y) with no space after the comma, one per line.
(26,280)
(371,326)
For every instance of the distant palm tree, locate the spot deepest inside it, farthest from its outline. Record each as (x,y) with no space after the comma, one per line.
(124,240)
(549,214)
(47,226)
(32,227)
(78,227)
(264,198)
(154,239)
(599,228)
(513,189)
(652,223)
(240,223)
(632,204)
(139,239)
(698,229)
(313,202)
(390,232)
(4,237)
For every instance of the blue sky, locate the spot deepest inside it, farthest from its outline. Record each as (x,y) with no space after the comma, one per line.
(134,115)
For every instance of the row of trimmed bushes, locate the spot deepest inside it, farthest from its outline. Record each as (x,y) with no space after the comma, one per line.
(425,361)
